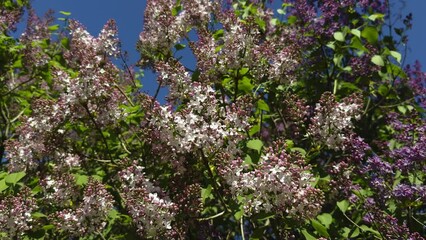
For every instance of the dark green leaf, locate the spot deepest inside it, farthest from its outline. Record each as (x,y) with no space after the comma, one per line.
(371,34)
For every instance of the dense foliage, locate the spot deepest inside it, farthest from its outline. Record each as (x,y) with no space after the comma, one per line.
(297,122)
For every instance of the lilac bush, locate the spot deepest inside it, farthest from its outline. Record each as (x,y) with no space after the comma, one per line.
(299,121)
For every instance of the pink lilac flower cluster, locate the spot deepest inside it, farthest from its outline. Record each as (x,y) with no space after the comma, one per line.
(90,215)
(59,189)
(280,183)
(150,208)
(165,25)
(332,122)
(34,37)
(417,81)
(9,17)
(15,214)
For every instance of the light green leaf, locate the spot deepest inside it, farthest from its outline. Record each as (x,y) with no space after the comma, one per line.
(243,71)
(375,16)
(206,192)
(38,215)
(14,178)
(378,60)
(319,228)
(326,219)
(53,27)
(339,36)
(254,129)
(262,105)
(343,205)
(396,55)
(255,144)
(356,32)
(298,149)
(81,179)
(65,13)
(307,235)
(402,109)
(3,185)
(245,85)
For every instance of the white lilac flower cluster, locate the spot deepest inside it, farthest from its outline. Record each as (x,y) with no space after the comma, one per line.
(279,183)
(200,123)
(151,210)
(90,215)
(91,92)
(332,124)
(15,214)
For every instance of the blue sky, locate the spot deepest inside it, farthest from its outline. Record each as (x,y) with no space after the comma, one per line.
(129,17)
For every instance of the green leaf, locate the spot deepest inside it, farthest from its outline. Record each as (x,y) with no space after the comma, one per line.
(343,205)
(347,231)
(369,229)
(38,215)
(307,235)
(396,55)
(180,46)
(81,179)
(3,185)
(206,192)
(331,45)
(243,71)
(262,105)
(255,144)
(402,109)
(239,214)
(245,85)
(378,60)
(53,27)
(356,32)
(48,227)
(383,90)
(65,13)
(113,214)
(176,10)
(298,149)
(281,11)
(375,16)
(339,36)
(254,129)
(319,228)
(14,178)
(248,160)
(326,219)
(371,34)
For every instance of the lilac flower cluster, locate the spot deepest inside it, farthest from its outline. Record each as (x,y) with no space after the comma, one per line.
(332,122)
(91,93)
(9,17)
(60,189)
(417,82)
(279,183)
(15,214)
(89,217)
(151,210)
(165,25)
